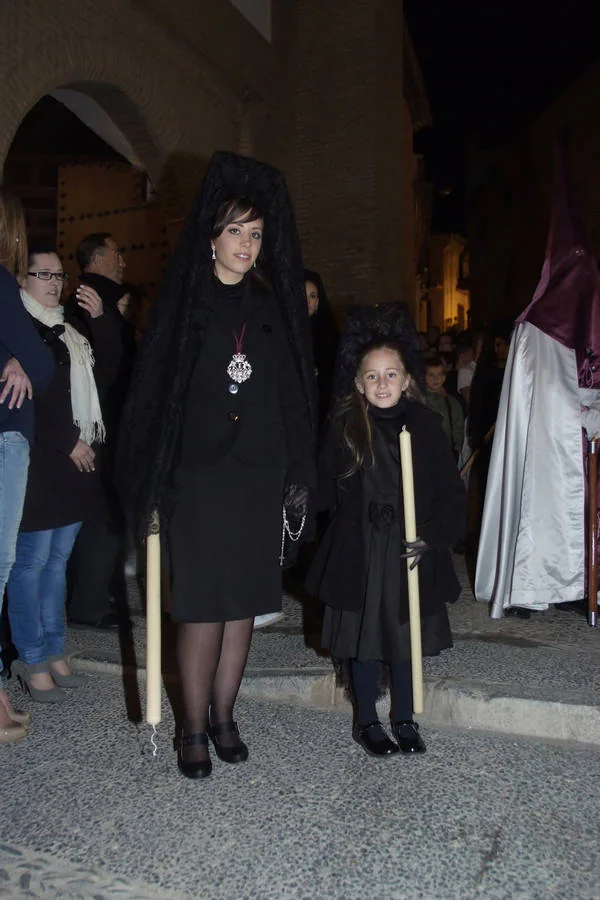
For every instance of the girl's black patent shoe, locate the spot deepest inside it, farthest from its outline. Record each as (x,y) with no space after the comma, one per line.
(407,734)
(373,739)
(193,768)
(238,752)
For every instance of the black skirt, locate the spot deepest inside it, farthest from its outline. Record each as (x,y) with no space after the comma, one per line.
(349,634)
(225,542)
(380,630)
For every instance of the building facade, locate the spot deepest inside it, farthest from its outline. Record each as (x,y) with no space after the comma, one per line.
(316,87)
(447,296)
(511,193)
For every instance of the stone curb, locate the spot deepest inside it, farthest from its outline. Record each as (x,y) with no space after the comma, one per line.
(447,702)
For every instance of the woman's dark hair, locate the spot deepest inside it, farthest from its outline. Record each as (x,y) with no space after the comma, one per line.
(236,209)
(357,433)
(36,248)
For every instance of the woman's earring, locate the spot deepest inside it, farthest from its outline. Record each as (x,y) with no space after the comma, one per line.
(254,264)
(214,253)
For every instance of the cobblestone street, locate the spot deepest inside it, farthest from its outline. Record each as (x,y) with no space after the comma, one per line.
(90,814)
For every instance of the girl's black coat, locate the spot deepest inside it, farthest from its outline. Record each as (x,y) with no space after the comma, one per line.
(337,575)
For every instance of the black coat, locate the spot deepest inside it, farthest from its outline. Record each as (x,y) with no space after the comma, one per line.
(58,493)
(266,423)
(117,356)
(113,391)
(337,575)
(237,452)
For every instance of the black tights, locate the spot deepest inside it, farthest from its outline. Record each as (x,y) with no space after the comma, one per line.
(365,678)
(211,657)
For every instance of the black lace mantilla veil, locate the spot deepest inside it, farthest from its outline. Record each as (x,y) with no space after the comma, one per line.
(152,418)
(364,324)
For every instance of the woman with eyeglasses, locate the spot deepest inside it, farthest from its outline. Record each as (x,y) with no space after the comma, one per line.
(26,369)
(63,486)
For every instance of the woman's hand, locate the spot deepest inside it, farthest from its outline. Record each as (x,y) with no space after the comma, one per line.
(414,551)
(17,384)
(83,456)
(90,300)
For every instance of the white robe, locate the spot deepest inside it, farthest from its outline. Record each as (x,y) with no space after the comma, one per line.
(532,543)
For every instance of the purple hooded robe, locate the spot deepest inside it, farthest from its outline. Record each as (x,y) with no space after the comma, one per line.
(533,535)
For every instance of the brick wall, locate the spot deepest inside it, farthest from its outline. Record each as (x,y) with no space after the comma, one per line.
(347,172)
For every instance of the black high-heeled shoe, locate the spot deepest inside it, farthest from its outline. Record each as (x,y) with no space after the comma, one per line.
(235,754)
(193,768)
(407,734)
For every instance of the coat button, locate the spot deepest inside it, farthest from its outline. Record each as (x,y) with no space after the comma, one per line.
(233,416)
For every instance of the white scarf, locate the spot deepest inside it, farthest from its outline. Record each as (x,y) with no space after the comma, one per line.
(87,415)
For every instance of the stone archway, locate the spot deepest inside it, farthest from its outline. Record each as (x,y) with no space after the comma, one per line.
(128,92)
(110,74)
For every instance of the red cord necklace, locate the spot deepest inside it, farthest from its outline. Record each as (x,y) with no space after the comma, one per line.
(239,369)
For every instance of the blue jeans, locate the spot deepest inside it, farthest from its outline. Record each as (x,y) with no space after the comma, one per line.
(14,463)
(36,592)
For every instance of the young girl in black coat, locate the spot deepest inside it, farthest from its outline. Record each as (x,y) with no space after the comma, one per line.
(359,571)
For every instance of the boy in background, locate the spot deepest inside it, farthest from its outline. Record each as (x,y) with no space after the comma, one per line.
(443,403)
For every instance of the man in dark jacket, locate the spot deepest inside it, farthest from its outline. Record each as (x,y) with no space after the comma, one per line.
(98,561)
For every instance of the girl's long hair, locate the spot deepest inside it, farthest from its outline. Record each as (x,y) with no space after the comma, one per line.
(353,412)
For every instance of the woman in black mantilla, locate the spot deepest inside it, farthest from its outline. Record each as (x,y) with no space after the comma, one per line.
(218,434)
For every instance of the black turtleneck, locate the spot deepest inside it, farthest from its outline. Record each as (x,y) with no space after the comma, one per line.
(389,412)
(231,292)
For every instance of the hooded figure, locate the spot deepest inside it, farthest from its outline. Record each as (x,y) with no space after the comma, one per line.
(217,434)
(532,544)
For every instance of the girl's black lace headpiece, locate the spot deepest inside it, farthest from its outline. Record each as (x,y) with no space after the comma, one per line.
(365,324)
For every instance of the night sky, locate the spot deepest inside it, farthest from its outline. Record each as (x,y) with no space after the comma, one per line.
(490,67)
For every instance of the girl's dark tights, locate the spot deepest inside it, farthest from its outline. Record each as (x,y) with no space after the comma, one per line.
(365,683)
(211,657)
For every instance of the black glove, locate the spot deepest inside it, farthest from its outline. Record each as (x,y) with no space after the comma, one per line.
(415,550)
(295,500)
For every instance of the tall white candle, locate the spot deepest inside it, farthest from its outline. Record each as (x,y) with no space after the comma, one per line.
(153,628)
(410,530)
